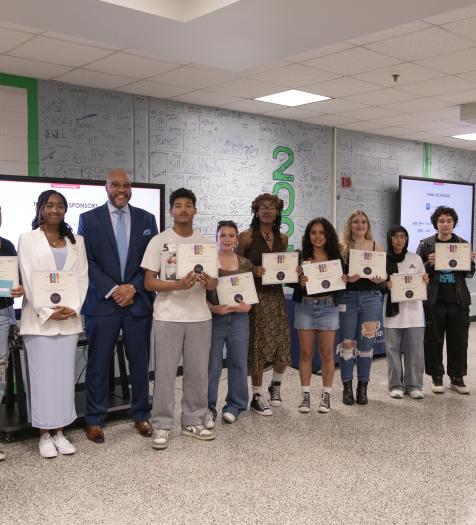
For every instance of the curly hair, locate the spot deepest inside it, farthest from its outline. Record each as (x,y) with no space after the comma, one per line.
(279,203)
(332,246)
(443,210)
(346,237)
(65,229)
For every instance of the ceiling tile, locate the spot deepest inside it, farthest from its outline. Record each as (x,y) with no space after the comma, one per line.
(451,16)
(448,84)
(58,51)
(10,39)
(330,120)
(193,77)
(411,27)
(318,52)
(153,89)
(390,131)
(352,61)
(246,88)
(206,98)
(18,27)
(465,27)
(248,72)
(362,125)
(422,44)
(249,106)
(407,72)
(291,113)
(94,79)
(335,106)
(30,68)
(153,56)
(340,87)
(77,40)
(370,113)
(461,97)
(294,76)
(131,65)
(417,104)
(381,96)
(452,63)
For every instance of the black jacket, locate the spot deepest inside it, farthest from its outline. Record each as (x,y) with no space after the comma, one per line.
(463,296)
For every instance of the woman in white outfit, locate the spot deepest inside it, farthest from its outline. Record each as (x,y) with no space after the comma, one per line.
(51,334)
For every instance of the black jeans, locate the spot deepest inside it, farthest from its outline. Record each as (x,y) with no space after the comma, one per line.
(452,320)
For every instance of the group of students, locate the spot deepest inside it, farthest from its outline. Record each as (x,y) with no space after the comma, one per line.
(190,325)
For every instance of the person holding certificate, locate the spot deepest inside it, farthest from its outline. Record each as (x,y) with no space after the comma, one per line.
(360,311)
(404,322)
(316,315)
(50,334)
(269,332)
(230,326)
(7,315)
(447,308)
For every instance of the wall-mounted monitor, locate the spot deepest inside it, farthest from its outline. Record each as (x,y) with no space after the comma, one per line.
(420,197)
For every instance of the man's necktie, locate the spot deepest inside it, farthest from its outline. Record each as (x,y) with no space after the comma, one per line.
(121,239)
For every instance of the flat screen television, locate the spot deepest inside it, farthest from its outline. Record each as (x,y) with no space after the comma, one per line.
(420,197)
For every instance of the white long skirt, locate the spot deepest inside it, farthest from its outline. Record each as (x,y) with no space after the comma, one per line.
(50,364)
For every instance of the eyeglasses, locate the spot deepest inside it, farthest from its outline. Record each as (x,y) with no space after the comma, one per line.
(118,185)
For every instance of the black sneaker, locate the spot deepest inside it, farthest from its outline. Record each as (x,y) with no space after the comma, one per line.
(437,387)
(305,406)
(259,405)
(274,390)
(325,402)
(457,384)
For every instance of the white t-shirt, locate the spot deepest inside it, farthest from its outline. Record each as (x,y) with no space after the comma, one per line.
(180,306)
(411,313)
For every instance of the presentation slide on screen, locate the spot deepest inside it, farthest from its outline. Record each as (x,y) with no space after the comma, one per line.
(419,199)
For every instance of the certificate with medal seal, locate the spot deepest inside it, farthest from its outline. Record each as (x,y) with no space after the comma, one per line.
(198,258)
(453,256)
(8,275)
(58,288)
(280,267)
(323,276)
(407,287)
(235,289)
(368,264)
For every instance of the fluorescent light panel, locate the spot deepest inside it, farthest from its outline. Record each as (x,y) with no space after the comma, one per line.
(292,98)
(466,136)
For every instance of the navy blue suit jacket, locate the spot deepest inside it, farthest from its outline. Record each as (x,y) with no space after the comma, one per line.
(103,258)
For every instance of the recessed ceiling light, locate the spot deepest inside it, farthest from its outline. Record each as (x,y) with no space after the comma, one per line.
(466,136)
(292,98)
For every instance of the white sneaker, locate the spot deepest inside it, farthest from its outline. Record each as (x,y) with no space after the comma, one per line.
(208,422)
(198,432)
(228,417)
(63,446)
(160,439)
(396,393)
(416,394)
(47,447)
(2,455)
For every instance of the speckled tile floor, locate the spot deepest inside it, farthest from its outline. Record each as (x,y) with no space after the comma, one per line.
(392,462)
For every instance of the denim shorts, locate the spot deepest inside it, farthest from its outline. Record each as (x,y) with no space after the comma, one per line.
(316,314)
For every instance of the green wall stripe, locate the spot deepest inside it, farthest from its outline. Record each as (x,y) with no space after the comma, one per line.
(427,160)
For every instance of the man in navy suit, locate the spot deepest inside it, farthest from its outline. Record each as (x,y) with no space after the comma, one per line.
(116,236)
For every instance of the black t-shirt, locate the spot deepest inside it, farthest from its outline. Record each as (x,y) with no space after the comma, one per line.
(6,249)
(447,283)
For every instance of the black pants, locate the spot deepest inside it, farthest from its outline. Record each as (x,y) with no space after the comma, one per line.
(452,320)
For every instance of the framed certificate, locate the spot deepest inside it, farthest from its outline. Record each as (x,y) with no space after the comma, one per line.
(368,264)
(197,258)
(453,256)
(280,267)
(323,276)
(8,275)
(235,289)
(407,287)
(57,288)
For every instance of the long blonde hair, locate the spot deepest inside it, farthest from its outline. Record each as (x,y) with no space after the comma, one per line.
(346,236)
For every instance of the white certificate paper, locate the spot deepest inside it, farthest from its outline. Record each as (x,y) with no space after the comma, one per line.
(197,258)
(453,256)
(280,267)
(235,289)
(407,287)
(57,288)
(8,275)
(323,276)
(368,264)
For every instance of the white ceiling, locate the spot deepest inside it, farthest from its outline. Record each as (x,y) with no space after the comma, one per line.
(344,49)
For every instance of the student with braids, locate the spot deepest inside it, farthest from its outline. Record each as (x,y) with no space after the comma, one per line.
(51,334)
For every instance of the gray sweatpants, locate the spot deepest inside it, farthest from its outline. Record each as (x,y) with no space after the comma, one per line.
(409,342)
(191,341)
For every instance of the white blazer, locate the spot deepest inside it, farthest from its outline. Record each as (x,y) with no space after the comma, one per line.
(35,254)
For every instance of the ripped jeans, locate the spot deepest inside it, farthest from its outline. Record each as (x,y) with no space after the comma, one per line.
(358,329)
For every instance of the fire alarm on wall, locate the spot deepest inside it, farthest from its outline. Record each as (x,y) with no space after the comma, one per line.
(346,182)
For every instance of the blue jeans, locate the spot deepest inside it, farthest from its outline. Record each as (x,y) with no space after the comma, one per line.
(6,319)
(356,346)
(232,329)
